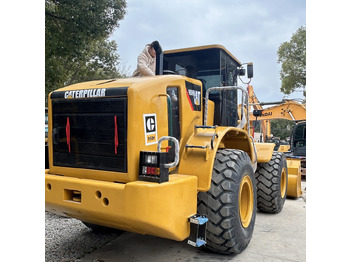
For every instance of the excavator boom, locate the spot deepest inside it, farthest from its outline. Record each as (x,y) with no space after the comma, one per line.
(287,109)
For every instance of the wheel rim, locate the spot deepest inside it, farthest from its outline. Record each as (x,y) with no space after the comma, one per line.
(283,182)
(246,201)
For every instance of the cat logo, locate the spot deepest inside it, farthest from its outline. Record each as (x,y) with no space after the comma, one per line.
(150,124)
(150,127)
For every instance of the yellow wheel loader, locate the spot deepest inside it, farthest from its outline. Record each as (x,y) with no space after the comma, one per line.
(168,155)
(296,151)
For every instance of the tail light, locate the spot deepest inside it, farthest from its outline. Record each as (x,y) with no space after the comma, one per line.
(152,166)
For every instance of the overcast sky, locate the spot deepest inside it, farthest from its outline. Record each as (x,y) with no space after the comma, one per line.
(251,30)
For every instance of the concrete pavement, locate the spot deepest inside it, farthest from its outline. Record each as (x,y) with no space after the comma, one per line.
(277,237)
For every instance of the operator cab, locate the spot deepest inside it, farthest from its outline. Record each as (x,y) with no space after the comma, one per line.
(214,66)
(298,139)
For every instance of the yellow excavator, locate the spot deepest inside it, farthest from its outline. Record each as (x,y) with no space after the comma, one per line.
(285,109)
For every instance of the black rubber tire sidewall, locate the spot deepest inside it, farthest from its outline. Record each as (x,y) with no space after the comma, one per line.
(268,176)
(225,233)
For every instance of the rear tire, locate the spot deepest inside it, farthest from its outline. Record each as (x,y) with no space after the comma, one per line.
(272,182)
(230,203)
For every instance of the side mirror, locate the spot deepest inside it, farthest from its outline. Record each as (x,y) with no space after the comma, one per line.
(250,70)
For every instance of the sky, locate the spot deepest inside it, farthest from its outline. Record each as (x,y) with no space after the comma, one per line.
(251,30)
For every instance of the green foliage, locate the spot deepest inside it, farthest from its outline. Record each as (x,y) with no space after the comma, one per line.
(281,128)
(76,45)
(292,56)
(102,58)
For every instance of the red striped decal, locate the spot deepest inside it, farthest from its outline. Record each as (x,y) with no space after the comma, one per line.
(189,100)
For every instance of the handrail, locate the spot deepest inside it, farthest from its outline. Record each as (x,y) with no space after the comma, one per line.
(244,95)
(177,149)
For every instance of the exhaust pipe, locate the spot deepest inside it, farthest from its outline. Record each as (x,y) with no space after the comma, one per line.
(159,61)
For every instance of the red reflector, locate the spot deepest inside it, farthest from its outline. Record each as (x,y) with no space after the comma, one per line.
(116,141)
(68,133)
(151,170)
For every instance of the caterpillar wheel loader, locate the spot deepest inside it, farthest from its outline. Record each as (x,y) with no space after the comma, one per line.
(167,155)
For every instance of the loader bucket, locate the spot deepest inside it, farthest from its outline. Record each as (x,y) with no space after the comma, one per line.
(294,177)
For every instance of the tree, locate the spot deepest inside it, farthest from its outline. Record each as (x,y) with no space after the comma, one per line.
(281,128)
(76,45)
(292,56)
(99,62)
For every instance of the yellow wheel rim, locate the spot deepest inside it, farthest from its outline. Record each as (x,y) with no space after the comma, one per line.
(246,201)
(283,182)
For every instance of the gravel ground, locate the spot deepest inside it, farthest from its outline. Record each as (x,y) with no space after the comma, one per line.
(67,239)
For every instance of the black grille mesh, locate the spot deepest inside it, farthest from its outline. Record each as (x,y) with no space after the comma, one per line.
(91,133)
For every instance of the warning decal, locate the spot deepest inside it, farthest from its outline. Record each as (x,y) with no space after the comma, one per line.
(150,127)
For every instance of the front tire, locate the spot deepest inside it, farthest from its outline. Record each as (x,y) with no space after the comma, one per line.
(230,203)
(272,181)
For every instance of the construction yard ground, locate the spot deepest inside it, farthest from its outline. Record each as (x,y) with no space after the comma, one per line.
(277,237)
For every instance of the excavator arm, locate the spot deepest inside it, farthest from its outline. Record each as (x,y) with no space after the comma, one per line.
(254,101)
(286,109)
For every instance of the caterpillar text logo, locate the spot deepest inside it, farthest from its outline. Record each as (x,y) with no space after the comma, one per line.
(101,92)
(150,127)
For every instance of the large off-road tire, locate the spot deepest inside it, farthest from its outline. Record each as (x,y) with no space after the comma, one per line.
(230,203)
(272,182)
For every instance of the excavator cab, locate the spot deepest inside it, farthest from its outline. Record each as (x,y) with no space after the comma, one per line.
(214,66)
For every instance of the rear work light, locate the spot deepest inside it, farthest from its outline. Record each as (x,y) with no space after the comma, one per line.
(154,166)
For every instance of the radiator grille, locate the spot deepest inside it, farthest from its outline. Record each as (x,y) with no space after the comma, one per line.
(90,133)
